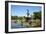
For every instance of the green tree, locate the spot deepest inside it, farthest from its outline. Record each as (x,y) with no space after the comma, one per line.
(14,17)
(27,13)
(37,15)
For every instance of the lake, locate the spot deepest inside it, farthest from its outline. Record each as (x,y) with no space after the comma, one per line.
(16,25)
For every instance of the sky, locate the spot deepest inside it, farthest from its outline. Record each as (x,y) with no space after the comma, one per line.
(17,10)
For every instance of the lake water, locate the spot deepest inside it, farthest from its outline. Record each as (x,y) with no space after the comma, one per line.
(16,25)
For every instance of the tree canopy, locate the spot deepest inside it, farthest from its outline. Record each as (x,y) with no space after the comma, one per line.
(37,15)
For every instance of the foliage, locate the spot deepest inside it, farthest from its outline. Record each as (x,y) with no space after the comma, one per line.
(14,17)
(28,13)
(37,15)
(17,18)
